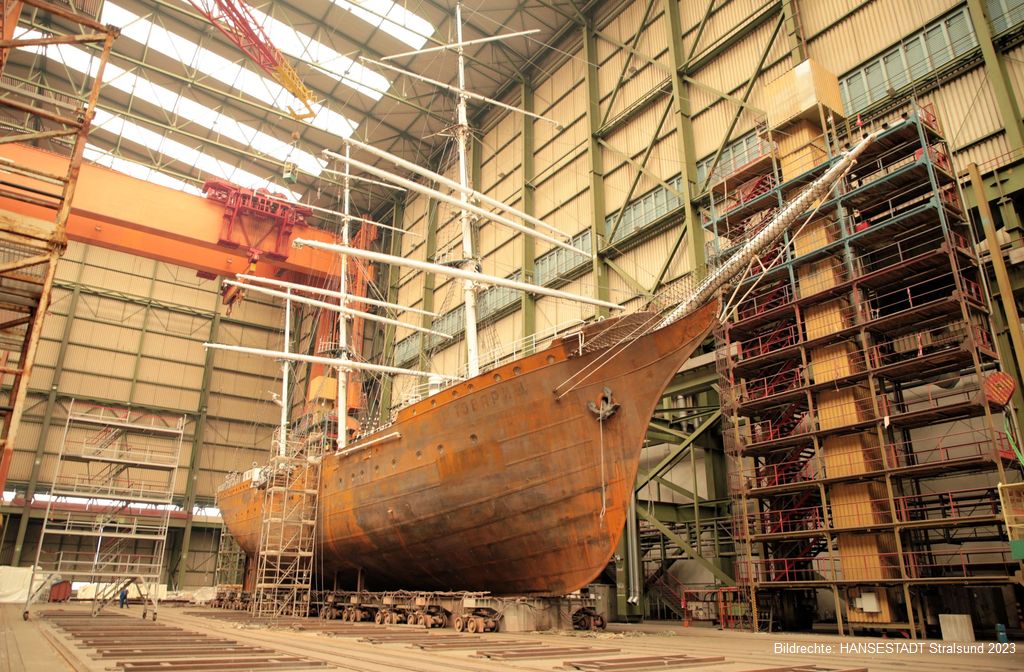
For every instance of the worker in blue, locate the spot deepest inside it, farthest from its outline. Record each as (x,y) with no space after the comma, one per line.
(124,597)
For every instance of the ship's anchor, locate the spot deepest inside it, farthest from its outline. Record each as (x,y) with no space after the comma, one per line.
(605,406)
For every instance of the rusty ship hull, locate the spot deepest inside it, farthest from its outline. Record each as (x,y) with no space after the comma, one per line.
(497,483)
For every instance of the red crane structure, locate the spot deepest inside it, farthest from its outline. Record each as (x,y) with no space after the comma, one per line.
(235,20)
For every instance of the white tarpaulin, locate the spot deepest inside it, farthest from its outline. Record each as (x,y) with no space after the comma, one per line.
(14,583)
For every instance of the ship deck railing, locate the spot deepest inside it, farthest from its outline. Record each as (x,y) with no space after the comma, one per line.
(489,359)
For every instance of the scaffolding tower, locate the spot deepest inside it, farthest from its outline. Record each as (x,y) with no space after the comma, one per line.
(230,569)
(285,560)
(861,385)
(109,505)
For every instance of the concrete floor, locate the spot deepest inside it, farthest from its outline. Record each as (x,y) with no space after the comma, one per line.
(43,644)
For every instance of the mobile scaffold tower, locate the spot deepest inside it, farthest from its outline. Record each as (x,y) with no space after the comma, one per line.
(109,505)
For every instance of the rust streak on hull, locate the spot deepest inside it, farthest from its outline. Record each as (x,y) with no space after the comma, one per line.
(494,484)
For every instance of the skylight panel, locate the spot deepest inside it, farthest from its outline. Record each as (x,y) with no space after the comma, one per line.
(393,19)
(180,106)
(190,156)
(217,67)
(134,169)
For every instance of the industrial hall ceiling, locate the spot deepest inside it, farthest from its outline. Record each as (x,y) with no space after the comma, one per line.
(181,103)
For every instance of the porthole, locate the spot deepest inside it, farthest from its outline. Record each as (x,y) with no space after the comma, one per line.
(473,439)
(517,370)
(419,454)
(551,359)
(497,377)
(455,393)
(433,402)
(469,387)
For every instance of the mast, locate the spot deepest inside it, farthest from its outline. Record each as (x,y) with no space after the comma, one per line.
(343,372)
(285,369)
(469,254)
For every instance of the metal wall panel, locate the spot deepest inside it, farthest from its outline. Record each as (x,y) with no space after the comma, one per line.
(553,313)
(966,108)
(815,15)
(992,152)
(872,28)
(559,188)
(1015,68)
(726,17)
(636,74)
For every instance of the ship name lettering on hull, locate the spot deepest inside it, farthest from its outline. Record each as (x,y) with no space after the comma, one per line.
(488,399)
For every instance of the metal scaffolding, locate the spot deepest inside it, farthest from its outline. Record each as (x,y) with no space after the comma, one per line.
(861,387)
(230,569)
(285,561)
(110,502)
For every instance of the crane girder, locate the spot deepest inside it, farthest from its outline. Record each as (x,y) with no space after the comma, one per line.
(119,212)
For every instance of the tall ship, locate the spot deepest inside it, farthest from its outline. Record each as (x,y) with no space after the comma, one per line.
(515,480)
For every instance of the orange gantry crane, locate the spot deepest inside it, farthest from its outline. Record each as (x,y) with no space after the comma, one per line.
(231,231)
(129,215)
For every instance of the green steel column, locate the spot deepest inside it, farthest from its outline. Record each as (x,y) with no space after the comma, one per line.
(1011,218)
(198,434)
(51,401)
(394,274)
(995,68)
(684,133)
(428,282)
(529,301)
(1009,336)
(595,153)
(142,336)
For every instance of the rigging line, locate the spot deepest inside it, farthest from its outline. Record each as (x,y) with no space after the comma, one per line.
(606,356)
(604,483)
(778,257)
(546,45)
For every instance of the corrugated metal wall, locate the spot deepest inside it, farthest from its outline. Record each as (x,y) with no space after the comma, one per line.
(840,35)
(135,338)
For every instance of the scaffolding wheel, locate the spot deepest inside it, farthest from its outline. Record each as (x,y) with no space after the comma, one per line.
(460,624)
(154,615)
(24,615)
(472,625)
